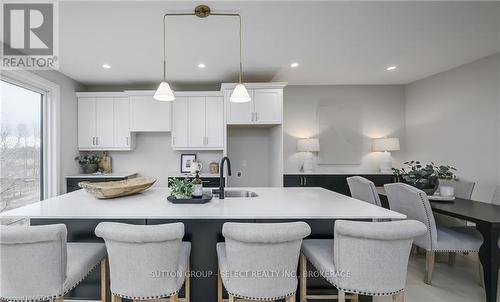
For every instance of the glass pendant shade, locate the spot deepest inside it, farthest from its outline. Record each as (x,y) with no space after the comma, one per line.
(164,93)
(240,94)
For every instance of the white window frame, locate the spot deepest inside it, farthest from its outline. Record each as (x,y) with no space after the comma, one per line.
(50,125)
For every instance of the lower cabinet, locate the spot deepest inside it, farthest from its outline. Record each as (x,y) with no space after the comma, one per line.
(208,182)
(332,182)
(72,183)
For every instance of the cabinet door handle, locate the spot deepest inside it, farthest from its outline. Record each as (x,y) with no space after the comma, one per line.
(93,141)
(127,140)
(97,141)
(252,117)
(305,180)
(301,180)
(256,117)
(173,140)
(206,140)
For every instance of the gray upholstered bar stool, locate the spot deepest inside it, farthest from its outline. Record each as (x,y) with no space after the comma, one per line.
(414,204)
(37,264)
(363,189)
(368,258)
(258,261)
(146,261)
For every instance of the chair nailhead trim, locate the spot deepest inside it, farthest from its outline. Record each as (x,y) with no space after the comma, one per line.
(50,298)
(261,299)
(146,298)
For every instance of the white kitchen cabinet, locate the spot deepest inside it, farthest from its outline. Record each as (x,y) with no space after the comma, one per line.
(198,121)
(103,122)
(180,122)
(148,114)
(265,107)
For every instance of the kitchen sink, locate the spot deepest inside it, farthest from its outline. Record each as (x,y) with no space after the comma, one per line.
(239,193)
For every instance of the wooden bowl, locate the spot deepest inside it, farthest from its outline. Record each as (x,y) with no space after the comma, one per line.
(112,189)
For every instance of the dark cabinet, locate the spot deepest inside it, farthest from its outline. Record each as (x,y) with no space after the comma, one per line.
(208,182)
(72,183)
(332,182)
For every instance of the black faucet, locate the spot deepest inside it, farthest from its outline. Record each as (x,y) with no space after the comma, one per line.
(221,171)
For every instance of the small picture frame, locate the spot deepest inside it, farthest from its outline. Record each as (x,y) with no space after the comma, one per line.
(186,160)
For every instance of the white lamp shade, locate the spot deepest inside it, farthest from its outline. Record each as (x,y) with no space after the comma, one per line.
(240,94)
(308,145)
(164,93)
(386,144)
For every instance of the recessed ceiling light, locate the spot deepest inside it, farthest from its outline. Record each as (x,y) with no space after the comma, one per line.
(201,65)
(391,68)
(106,66)
(294,64)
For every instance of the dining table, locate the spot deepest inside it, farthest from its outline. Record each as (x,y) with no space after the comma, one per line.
(486,217)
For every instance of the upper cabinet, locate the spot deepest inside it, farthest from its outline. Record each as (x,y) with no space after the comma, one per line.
(148,114)
(198,121)
(104,122)
(265,108)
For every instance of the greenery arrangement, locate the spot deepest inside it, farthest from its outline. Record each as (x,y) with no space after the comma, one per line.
(88,159)
(424,176)
(181,187)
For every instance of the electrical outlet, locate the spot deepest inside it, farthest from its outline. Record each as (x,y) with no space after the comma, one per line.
(238,174)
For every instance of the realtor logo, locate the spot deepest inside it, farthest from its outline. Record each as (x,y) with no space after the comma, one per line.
(29,36)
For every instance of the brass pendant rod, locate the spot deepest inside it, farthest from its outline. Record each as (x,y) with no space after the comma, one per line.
(196,14)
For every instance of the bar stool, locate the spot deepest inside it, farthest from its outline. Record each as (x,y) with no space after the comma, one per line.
(367,258)
(146,261)
(37,264)
(258,261)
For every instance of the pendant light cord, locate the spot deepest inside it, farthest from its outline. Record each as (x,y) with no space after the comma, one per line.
(193,14)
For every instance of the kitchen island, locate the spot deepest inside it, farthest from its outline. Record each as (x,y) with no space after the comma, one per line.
(81,212)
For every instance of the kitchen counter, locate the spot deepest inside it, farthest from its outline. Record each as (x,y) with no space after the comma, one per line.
(104,175)
(272,203)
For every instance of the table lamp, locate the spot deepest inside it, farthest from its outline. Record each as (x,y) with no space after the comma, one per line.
(386,145)
(308,145)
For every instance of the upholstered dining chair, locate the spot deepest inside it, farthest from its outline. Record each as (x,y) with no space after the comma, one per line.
(363,189)
(146,262)
(369,258)
(415,205)
(258,261)
(37,264)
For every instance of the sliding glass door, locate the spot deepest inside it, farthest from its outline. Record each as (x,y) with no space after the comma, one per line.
(21,138)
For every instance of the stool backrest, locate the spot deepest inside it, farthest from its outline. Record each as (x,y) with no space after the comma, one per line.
(363,189)
(414,203)
(267,252)
(372,257)
(463,188)
(143,259)
(33,261)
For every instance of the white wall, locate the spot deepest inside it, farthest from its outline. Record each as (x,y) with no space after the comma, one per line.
(383,115)
(69,130)
(153,156)
(453,118)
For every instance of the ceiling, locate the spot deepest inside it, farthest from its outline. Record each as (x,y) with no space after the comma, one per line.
(333,42)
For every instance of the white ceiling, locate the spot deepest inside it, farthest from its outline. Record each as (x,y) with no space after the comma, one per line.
(334,42)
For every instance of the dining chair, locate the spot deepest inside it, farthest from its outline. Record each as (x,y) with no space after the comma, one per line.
(258,261)
(415,205)
(146,262)
(363,189)
(368,258)
(37,264)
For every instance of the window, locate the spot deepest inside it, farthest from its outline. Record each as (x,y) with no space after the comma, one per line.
(21,145)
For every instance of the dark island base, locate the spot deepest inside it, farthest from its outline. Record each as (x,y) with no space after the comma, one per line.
(203,235)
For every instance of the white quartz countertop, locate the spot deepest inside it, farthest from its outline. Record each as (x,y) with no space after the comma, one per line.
(272,203)
(104,175)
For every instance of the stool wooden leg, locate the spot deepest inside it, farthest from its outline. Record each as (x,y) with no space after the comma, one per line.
(341,295)
(429,265)
(187,283)
(231,298)
(290,299)
(174,298)
(398,297)
(219,287)
(355,298)
(303,278)
(104,280)
(60,299)
(115,298)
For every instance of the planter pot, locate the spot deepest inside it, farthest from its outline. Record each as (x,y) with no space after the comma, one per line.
(89,168)
(429,186)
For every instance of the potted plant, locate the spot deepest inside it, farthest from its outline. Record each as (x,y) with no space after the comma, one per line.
(182,188)
(424,177)
(88,163)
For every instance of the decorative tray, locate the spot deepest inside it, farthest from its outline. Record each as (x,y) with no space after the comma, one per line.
(437,197)
(204,199)
(112,189)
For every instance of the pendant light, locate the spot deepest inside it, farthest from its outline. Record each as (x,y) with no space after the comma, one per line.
(165,93)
